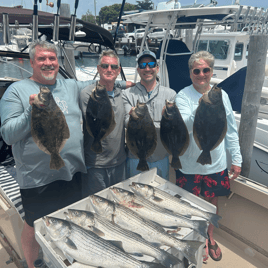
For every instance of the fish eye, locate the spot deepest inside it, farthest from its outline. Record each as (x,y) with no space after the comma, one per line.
(76,213)
(53,220)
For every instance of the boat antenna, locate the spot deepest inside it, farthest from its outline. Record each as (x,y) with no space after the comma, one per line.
(56,23)
(35,21)
(115,35)
(73,22)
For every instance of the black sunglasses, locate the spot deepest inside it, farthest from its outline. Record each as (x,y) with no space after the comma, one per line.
(106,66)
(198,71)
(151,64)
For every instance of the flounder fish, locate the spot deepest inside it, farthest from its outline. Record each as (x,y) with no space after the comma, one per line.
(173,133)
(49,128)
(210,124)
(141,135)
(99,117)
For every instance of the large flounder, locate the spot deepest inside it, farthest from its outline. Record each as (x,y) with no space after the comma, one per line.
(210,124)
(48,127)
(99,117)
(173,133)
(141,135)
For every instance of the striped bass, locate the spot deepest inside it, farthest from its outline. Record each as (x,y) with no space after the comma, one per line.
(168,201)
(86,247)
(131,242)
(149,230)
(155,213)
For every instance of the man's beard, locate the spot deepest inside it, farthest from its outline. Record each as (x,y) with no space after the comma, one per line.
(51,77)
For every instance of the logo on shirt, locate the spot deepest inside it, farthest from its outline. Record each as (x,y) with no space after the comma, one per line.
(62,104)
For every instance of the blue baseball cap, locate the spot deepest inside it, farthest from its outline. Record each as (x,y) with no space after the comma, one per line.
(146,53)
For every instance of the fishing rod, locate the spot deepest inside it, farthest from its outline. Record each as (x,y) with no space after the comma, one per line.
(56,23)
(35,21)
(73,22)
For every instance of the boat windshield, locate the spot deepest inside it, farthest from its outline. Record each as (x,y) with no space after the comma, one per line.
(219,48)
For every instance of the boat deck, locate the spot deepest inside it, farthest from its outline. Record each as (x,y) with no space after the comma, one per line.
(233,255)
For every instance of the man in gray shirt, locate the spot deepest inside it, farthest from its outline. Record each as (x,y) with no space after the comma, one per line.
(149,91)
(108,167)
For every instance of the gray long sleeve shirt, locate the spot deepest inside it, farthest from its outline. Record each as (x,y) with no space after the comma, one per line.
(113,145)
(155,103)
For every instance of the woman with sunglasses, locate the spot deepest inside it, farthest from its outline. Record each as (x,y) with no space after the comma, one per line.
(212,180)
(149,91)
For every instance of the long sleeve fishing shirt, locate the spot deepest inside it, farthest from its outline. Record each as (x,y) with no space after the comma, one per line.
(187,101)
(113,146)
(32,164)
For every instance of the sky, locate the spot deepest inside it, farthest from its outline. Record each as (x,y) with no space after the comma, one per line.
(85,5)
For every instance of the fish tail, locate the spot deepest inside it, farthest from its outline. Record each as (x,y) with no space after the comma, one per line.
(176,163)
(143,165)
(204,158)
(56,162)
(213,218)
(189,251)
(96,146)
(201,228)
(168,260)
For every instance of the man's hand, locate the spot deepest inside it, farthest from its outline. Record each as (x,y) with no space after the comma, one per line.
(130,84)
(131,110)
(234,172)
(31,99)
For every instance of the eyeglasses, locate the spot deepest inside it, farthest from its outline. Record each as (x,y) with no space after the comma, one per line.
(151,64)
(106,66)
(198,71)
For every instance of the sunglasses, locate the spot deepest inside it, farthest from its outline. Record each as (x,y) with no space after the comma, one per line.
(198,71)
(151,64)
(106,66)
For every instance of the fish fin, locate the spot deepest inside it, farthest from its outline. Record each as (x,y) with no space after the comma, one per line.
(157,245)
(56,162)
(175,234)
(118,244)
(196,138)
(204,158)
(70,243)
(143,165)
(222,136)
(190,250)
(168,260)
(69,258)
(96,231)
(201,228)
(176,163)
(137,254)
(96,146)
(158,199)
(177,229)
(152,264)
(213,218)
(177,196)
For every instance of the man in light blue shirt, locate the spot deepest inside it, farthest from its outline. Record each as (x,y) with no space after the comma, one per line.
(212,180)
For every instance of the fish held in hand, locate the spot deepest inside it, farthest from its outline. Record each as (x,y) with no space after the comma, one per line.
(49,128)
(86,247)
(100,120)
(173,133)
(210,124)
(141,135)
(168,201)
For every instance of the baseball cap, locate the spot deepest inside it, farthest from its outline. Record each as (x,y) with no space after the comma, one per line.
(146,53)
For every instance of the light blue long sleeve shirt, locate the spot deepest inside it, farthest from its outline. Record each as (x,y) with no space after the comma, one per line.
(32,164)
(187,101)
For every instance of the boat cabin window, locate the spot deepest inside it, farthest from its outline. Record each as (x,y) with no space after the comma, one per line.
(219,48)
(239,47)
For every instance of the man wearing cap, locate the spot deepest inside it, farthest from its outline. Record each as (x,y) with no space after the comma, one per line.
(149,91)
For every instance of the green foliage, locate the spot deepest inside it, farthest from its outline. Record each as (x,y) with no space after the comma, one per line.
(146,4)
(111,13)
(89,17)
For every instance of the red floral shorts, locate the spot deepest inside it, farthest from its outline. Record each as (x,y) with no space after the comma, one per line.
(211,185)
